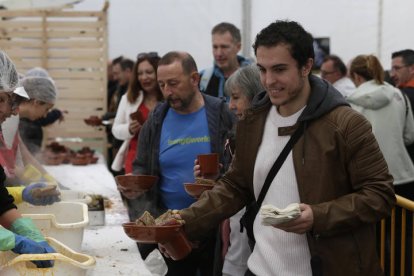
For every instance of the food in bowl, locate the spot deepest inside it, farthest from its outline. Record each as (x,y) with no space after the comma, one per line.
(165,219)
(168,232)
(204,181)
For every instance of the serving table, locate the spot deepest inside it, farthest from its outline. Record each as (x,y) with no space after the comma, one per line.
(115,253)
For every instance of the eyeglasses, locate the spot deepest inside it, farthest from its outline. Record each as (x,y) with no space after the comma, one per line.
(397,68)
(147,55)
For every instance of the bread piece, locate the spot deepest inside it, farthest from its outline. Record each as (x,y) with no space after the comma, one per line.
(145,220)
(204,181)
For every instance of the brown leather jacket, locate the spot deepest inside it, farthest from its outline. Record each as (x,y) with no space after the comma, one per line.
(340,172)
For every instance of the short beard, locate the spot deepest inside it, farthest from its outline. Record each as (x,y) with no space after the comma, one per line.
(184,103)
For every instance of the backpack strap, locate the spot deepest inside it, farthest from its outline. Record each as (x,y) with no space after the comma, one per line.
(205,78)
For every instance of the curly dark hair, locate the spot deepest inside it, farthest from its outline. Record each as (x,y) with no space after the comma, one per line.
(291,33)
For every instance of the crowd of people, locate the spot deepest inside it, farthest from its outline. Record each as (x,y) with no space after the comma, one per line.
(340,144)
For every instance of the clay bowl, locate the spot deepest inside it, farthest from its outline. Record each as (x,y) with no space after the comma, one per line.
(195,190)
(93,159)
(87,151)
(136,182)
(172,237)
(55,147)
(79,160)
(53,159)
(137,116)
(93,121)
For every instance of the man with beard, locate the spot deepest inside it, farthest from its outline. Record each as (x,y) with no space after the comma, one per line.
(334,172)
(189,123)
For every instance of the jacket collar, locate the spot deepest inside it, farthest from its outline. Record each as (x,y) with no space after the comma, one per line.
(322,99)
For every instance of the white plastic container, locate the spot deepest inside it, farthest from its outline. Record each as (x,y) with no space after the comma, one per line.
(67,262)
(74,196)
(64,221)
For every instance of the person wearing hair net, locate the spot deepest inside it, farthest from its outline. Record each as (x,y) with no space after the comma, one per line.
(22,167)
(17,233)
(31,131)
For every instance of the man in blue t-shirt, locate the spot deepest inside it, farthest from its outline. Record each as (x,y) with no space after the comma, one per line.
(187,124)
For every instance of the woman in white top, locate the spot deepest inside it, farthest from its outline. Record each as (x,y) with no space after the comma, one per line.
(390,115)
(142,96)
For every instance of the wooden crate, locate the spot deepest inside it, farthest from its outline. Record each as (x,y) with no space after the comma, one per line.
(72,46)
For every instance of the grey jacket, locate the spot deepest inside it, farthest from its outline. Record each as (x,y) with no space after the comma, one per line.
(220,121)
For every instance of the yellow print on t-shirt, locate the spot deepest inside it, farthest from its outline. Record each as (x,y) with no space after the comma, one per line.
(189,140)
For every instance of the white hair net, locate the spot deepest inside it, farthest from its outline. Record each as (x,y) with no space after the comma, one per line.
(9,78)
(37,72)
(40,88)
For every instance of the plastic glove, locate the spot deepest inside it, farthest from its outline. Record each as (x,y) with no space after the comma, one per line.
(7,239)
(37,194)
(25,227)
(25,245)
(47,247)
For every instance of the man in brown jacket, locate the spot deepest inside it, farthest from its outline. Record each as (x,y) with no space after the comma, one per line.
(336,170)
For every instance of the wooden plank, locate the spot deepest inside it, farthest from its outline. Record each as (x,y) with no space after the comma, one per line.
(79,105)
(51,34)
(24,52)
(74,25)
(20,64)
(29,43)
(55,53)
(80,84)
(26,24)
(39,13)
(83,53)
(77,43)
(84,94)
(69,43)
(75,64)
(71,74)
(74,33)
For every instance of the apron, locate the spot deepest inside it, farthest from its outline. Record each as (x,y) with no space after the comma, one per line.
(8,156)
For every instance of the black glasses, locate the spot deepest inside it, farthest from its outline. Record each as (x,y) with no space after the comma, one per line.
(147,55)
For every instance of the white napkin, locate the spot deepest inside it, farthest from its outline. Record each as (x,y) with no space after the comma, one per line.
(272,215)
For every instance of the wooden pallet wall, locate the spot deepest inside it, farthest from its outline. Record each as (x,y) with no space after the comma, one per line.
(72,47)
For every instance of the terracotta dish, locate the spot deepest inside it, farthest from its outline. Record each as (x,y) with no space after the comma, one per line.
(195,190)
(172,237)
(93,121)
(137,116)
(136,182)
(54,159)
(79,159)
(93,160)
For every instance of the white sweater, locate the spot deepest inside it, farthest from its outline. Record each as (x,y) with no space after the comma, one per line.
(277,252)
(120,129)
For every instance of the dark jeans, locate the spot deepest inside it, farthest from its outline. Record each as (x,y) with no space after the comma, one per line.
(200,262)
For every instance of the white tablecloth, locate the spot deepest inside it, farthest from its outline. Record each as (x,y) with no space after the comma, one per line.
(114,252)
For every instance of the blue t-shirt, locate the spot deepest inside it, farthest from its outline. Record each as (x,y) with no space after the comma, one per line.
(183,137)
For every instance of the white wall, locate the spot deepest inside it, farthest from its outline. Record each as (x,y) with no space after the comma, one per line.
(162,25)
